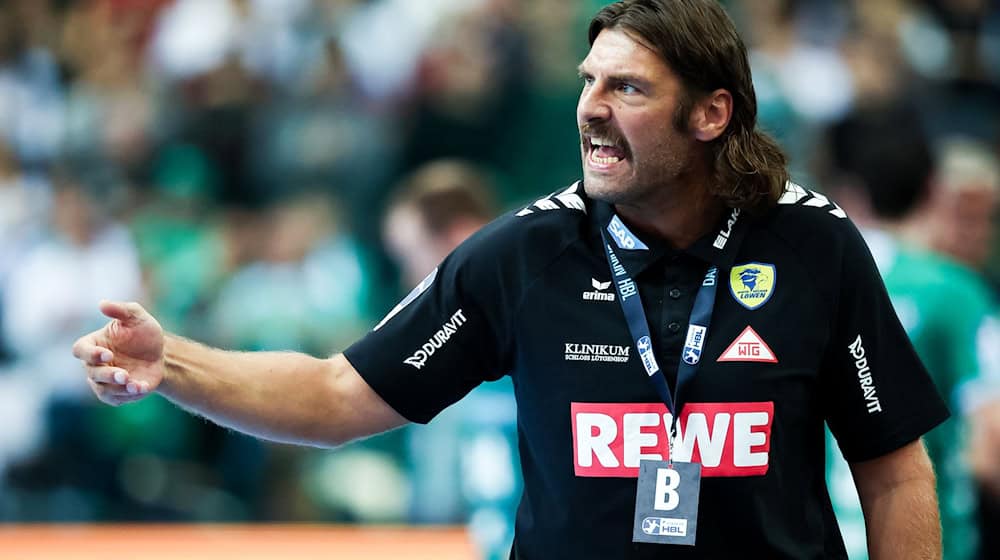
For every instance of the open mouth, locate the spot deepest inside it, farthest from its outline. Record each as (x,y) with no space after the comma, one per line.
(605,152)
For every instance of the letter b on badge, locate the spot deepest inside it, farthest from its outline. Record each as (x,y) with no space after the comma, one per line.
(666,502)
(667,481)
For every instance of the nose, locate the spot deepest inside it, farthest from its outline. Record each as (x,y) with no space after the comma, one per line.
(592,106)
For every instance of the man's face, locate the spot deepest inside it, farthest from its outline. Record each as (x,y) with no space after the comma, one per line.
(411,245)
(631,148)
(965,223)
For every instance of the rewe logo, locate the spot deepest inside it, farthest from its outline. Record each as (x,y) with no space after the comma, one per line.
(728,439)
(599,293)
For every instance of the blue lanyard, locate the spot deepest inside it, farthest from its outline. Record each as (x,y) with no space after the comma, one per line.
(635,316)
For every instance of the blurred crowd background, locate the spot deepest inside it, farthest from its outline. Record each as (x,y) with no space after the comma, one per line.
(229,163)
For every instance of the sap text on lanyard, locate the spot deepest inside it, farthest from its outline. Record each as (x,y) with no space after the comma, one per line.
(666,508)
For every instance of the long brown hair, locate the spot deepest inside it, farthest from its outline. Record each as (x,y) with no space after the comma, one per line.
(700,44)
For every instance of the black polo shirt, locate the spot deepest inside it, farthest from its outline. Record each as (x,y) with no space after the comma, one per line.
(802,332)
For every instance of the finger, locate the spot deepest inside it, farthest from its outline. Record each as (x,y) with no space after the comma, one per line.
(113,395)
(137,387)
(91,353)
(128,313)
(106,374)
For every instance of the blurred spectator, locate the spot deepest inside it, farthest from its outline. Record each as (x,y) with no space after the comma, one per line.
(45,300)
(960,218)
(325,134)
(24,205)
(186,246)
(303,290)
(301,287)
(471,81)
(886,174)
(42,309)
(465,464)
(801,74)
(31,94)
(108,113)
(960,222)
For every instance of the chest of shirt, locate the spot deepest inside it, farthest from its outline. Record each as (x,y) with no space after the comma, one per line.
(767,334)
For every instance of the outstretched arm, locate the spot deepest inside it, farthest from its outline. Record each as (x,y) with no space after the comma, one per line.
(899,500)
(279,396)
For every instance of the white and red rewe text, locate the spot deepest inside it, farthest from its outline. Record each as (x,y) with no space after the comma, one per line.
(728,439)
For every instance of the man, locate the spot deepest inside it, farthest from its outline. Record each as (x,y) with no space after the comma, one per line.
(464,464)
(961,224)
(946,309)
(678,199)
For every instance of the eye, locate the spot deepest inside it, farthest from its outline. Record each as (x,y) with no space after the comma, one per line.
(628,89)
(587,80)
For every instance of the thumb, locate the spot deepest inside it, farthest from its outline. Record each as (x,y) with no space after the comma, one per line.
(126,312)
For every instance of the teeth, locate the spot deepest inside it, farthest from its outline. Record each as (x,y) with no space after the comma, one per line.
(600,142)
(604,160)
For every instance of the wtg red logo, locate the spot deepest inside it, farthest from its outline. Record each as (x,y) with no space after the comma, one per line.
(728,439)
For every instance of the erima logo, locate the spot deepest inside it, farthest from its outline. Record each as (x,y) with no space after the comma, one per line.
(723,237)
(624,238)
(599,293)
(575,352)
(865,376)
(419,358)
(693,345)
(661,526)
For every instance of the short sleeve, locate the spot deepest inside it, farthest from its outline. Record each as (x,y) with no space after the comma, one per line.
(877,395)
(443,339)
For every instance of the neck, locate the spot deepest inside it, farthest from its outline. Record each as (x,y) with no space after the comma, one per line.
(917,229)
(680,218)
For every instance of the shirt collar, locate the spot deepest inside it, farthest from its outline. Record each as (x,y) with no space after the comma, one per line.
(637,252)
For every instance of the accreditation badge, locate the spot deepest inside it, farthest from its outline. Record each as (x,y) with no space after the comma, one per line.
(666,502)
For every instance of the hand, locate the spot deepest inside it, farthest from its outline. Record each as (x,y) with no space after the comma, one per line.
(123,360)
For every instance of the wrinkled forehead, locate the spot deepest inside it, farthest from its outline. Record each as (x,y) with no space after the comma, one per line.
(618,51)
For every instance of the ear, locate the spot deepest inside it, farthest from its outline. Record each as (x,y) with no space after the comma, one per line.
(710,115)
(459,231)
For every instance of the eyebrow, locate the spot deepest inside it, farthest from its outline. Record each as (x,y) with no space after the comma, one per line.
(623,77)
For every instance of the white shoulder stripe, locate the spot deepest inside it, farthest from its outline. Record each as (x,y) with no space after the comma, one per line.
(568,199)
(572,201)
(817,200)
(794,194)
(545,204)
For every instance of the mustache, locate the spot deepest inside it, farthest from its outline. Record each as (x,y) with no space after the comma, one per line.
(603,130)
